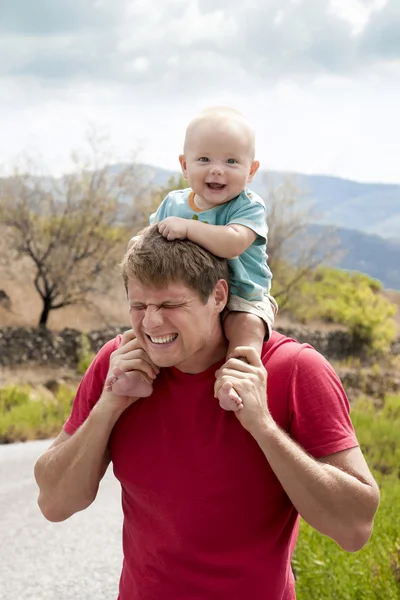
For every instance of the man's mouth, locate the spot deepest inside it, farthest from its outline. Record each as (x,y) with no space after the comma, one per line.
(165,339)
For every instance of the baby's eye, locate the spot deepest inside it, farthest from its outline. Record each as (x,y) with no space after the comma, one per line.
(231,161)
(204,159)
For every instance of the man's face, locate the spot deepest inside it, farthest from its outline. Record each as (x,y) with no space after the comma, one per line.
(175,328)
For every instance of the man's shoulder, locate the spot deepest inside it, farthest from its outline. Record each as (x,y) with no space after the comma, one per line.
(283,348)
(282,352)
(112,344)
(103,355)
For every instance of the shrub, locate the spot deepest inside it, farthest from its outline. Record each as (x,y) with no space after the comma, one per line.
(85,355)
(22,418)
(354,300)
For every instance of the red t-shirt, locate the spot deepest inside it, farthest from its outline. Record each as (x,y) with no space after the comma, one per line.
(205,517)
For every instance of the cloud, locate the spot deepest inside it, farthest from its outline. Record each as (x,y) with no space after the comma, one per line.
(381,37)
(194,44)
(46,17)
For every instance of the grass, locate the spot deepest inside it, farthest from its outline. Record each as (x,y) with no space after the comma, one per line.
(23,418)
(324,571)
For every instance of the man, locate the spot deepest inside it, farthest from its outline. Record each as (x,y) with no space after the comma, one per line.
(211,498)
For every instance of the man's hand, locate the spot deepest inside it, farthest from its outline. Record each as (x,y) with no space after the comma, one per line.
(130,375)
(174,228)
(249,380)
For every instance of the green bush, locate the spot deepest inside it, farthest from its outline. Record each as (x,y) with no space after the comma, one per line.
(354,300)
(12,397)
(85,355)
(324,571)
(23,418)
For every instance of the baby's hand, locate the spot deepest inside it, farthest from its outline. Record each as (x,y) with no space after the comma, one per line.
(174,228)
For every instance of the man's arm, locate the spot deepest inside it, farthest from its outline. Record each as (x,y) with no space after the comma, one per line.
(336,494)
(69,472)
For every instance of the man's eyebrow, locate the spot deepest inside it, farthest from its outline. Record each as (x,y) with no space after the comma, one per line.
(168,301)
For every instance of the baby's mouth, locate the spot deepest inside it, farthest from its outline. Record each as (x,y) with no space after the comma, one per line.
(216,186)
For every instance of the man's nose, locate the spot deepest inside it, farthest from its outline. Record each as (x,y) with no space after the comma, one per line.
(152,318)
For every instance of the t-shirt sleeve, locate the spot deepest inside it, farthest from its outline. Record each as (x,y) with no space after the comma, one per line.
(91,387)
(250,212)
(319,408)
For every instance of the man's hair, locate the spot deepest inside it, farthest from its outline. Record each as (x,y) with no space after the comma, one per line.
(157,262)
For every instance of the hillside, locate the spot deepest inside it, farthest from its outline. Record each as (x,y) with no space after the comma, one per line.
(371,254)
(367,216)
(372,208)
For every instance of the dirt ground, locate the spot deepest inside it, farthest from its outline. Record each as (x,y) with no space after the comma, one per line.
(35,376)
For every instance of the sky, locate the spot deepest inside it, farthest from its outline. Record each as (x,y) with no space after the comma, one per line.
(318,79)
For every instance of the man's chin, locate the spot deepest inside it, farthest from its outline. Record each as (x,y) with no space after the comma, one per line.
(162,362)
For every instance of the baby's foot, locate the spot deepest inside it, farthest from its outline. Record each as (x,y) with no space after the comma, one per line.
(134,383)
(228,397)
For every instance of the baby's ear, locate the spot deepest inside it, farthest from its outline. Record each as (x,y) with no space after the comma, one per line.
(253,170)
(182,160)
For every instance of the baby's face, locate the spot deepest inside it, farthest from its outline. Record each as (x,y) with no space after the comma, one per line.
(218,161)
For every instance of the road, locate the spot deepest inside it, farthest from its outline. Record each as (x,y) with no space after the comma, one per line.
(79,559)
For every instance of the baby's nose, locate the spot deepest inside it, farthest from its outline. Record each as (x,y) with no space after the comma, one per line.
(217,168)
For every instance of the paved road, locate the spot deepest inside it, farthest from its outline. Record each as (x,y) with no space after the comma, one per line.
(79,559)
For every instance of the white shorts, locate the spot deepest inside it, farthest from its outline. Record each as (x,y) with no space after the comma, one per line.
(266,309)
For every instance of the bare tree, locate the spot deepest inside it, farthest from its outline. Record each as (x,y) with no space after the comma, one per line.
(73,229)
(148,202)
(295,248)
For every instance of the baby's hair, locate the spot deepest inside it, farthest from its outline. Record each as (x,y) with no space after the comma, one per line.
(219,113)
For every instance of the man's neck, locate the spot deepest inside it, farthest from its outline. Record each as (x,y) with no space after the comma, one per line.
(209,355)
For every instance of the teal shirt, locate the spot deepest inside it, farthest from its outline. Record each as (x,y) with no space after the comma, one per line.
(249,272)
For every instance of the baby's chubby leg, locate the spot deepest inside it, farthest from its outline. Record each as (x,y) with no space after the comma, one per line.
(241,329)
(133,383)
(131,371)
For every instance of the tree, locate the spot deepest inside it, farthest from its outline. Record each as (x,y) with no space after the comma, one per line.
(73,229)
(148,203)
(295,249)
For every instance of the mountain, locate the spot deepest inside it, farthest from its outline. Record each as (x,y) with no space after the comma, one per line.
(371,254)
(366,215)
(373,208)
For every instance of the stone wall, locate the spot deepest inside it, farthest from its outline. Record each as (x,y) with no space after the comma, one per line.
(28,345)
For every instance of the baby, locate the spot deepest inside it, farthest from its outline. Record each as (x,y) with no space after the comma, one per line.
(219,213)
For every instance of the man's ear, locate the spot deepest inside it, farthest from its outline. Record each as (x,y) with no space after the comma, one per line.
(253,170)
(182,160)
(221,293)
